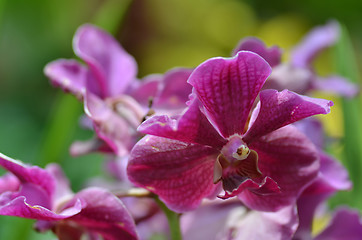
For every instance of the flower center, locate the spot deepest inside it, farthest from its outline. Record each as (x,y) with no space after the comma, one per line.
(235,164)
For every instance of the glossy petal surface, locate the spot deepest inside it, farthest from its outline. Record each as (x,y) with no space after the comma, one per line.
(278,109)
(227,88)
(105,214)
(180,173)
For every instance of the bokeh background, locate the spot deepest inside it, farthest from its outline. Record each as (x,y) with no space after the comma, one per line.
(39,122)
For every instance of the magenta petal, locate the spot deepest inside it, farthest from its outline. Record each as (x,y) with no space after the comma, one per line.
(145,90)
(8,182)
(104,214)
(266,187)
(69,75)
(20,208)
(112,67)
(191,127)
(345,224)
(336,85)
(227,87)
(318,39)
(291,160)
(33,174)
(278,109)
(332,177)
(181,174)
(174,90)
(271,55)
(111,128)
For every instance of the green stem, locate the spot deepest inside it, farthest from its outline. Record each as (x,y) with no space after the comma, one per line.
(173,219)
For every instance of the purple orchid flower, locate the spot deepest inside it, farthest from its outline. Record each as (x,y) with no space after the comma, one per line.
(44,195)
(213,144)
(298,74)
(114,100)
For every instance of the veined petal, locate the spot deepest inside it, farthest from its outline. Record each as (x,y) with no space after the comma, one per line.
(69,75)
(278,109)
(227,87)
(291,160)
(318,39)
(336,85)
(104,214)
(181,174)
(191,127)
(272,55)
(112,67)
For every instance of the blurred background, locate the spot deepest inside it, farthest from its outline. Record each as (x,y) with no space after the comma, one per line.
(39,122)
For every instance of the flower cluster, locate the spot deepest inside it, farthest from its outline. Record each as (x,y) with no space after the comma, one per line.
(229,147)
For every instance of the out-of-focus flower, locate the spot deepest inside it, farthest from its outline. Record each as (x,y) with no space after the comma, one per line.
(213,143)
(331,178)
(231,221)
(114,99)
(298,74)
(44,195)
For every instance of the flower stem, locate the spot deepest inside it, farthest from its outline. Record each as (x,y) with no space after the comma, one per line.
(173,219)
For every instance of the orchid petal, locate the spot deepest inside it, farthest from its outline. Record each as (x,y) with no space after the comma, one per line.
(318,39)
(345,224)
(266,187)
(8,182)
(174,90)
(336,85)
(145,90)
(181,174)
(332,177)
(278,109)
(29,174)
(191,127)
(104,214)
(110,127)
(21,208)
(272,55)
(112,67)
(227,87)
(313,129)
(279,225)
(291,160)
(69,75)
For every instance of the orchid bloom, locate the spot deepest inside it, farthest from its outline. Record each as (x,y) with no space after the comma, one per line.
(114,99)
(44,195)
(298,74)
(215,143)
